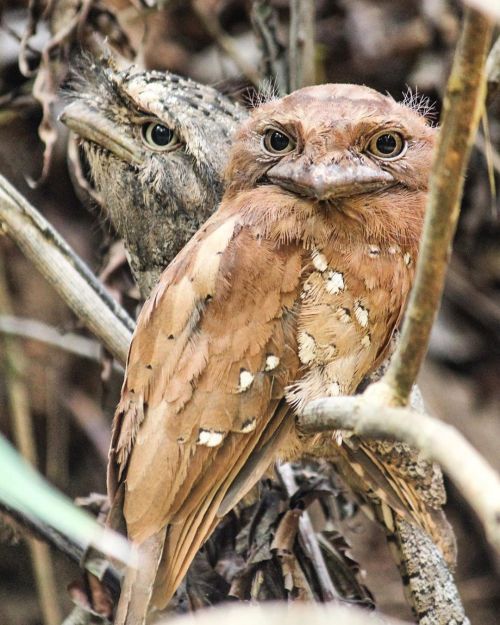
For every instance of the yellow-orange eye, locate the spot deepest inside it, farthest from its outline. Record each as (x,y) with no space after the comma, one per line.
(277,142)
(387,144)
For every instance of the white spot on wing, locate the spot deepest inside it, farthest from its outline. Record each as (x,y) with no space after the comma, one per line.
(305,290)
(246,379)
(361,315)
(407,259)
(248,426)
(366,341)
(335,282)
(394,249)
(373,251)
(319,261)
(210,438)
(307,348)
(333,389)
(344,315)
(272,362)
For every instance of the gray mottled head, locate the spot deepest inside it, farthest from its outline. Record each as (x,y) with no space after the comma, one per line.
(156,145)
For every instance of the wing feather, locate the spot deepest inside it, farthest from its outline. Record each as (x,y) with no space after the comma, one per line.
(200,393)
(393,476)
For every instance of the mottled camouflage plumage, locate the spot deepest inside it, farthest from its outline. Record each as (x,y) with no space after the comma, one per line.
(155,200)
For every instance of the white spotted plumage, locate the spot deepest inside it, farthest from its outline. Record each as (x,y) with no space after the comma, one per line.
(335,282)
(307,348)
(246,379)
(271,362)
(319,262)
(361,314)
(210,438)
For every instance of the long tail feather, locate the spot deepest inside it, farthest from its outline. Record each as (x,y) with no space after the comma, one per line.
(137,586)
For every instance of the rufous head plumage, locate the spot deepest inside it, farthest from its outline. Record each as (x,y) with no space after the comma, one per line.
(346,147)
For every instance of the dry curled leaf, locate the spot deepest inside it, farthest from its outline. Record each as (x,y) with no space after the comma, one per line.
(71,23)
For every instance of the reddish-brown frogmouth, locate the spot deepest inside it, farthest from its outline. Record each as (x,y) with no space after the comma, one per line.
(291,291)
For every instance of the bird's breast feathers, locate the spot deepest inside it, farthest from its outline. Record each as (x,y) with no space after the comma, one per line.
(236,323)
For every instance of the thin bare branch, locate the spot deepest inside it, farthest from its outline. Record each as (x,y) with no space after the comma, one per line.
(33,527)
(274,59)
(34,330)
(478,482)
(463,106)
(65,271)
(301,44)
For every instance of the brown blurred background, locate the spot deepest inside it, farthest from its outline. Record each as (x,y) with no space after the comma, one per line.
(385,44)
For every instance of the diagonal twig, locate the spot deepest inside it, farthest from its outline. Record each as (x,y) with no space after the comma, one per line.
(65,271)
(308,535)
(225,41)
(34,330)
(463,106)
(478,482)
(274,59)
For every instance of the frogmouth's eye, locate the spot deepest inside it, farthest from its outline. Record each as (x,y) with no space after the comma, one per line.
(277,142)
(387,145)
(159,137)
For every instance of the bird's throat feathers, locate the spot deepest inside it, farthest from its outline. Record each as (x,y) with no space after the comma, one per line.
(392,217)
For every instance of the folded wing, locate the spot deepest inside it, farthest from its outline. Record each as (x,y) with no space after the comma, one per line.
(213,351)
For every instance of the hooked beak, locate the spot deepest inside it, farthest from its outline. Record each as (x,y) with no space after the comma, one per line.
(328,181)
(93,126)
